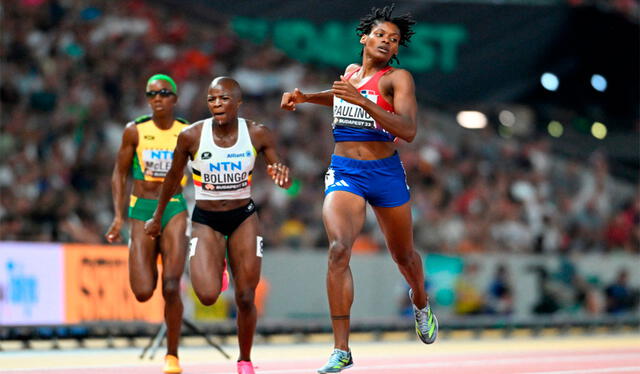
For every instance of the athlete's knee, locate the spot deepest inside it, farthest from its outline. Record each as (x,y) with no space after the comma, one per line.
(245,299)
(208,298)
(143,293)
(339,254)
(171,287)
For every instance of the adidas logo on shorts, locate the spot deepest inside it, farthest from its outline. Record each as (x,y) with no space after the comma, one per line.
(340,183)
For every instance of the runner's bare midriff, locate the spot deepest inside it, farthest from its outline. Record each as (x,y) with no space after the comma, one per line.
(149,190)
(221,205)
(364,150)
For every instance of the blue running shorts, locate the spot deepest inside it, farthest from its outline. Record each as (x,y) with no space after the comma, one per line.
(381,182)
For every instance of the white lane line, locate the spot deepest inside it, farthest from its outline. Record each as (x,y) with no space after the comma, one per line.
(626,369)
(452,363)
(483,362)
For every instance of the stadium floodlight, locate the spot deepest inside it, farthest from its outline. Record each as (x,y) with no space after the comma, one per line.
(555,129)
(472,119)
(598,82)
(550,81)
(599,130)
(507,118)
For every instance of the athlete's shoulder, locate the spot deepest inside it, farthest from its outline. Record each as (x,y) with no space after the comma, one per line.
(191,131)
(351,67)
(191,127)
(142,119)
(254,126)
(130,125)
(397,78)
(259,133)
(399,73)
(130,133)
(189,137)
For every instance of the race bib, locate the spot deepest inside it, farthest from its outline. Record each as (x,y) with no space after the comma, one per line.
(156,162)
(225,176)
(329,178)
(192,247)
(351,115)
(259,246)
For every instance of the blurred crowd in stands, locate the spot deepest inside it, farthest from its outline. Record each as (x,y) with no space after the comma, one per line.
(627,8)
(562,289)
(73,74)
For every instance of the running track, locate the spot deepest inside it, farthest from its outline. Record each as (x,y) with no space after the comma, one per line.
(575,355)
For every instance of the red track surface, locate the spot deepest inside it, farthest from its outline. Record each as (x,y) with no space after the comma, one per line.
(539,362)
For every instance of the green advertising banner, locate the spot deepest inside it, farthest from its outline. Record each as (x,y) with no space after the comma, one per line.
(433,47)
(442,272)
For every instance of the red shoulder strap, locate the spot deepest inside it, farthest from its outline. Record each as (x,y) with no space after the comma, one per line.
(382,72)
(348,76)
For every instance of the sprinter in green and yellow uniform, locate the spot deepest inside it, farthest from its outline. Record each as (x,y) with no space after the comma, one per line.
(146,153)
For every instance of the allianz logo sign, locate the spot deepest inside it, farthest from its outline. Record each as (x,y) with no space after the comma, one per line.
(236,155)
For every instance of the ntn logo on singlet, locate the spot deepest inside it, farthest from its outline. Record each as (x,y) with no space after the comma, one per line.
(157,154)
(225,166)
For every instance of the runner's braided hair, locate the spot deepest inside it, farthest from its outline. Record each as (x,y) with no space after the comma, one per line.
(378,15)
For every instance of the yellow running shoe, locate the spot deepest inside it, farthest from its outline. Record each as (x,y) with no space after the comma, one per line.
(171,365)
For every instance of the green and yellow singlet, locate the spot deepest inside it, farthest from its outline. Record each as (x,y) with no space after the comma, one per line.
(154,153)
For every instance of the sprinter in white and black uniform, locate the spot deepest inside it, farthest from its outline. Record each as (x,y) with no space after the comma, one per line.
(223,149)
(373,105)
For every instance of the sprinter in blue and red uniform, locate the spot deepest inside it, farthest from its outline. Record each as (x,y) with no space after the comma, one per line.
(373,105)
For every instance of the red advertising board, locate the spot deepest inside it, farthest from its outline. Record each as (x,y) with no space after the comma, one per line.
(97,287)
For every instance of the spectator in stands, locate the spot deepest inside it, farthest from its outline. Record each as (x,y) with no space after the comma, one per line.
(620,297)
(469,298)
(547,302)
(500,292)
